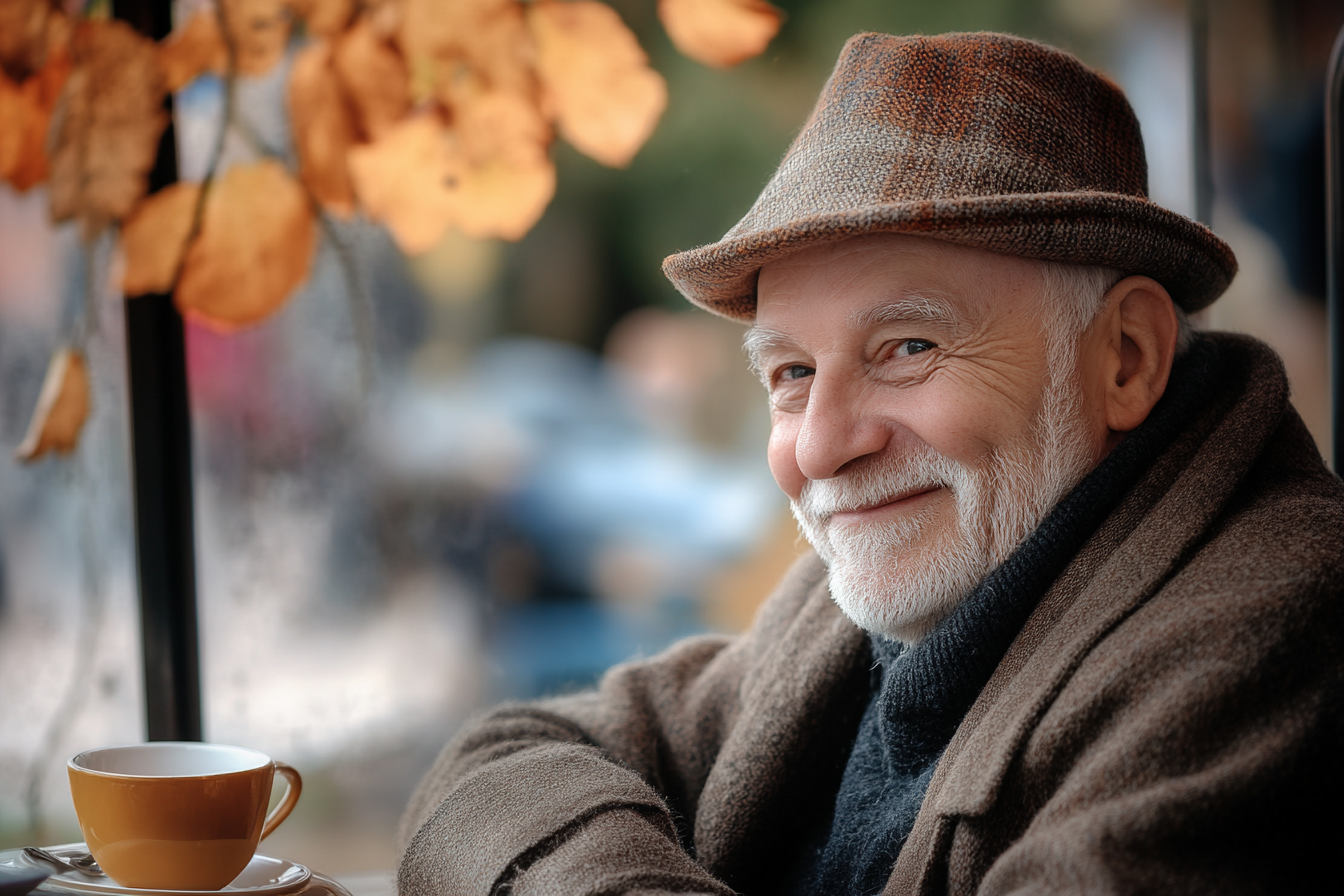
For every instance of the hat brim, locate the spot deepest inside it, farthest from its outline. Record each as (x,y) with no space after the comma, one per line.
(1113,229)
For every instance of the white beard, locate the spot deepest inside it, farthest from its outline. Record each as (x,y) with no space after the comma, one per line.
(898,579)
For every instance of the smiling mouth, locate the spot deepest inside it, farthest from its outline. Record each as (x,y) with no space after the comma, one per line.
(881,508)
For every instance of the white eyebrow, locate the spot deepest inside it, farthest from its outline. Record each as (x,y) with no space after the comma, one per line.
(760,340)
(916,307)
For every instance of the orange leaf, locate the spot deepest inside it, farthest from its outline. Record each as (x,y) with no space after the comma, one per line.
(60,29)
(53,73)
(324,129)
(16,114)
(401,180)
(506,178)
(374,77)
(500,125)
(23,131)
(384,16)
(260,30)
(324,18)
(154,236)
(425,27)
(720,33)
(106,126)
(193,49)
(255,247)
(466,44)
(23,36)
(62,408)
(500,198)
(596,79)
(419,180)
(25,115)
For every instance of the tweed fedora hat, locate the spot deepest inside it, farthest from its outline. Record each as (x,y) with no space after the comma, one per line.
(985,140)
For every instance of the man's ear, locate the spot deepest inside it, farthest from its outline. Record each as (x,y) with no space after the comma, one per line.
(1139,330)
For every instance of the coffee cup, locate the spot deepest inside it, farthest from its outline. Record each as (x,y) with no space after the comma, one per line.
(177,816)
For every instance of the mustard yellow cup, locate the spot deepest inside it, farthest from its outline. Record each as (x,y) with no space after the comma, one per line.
(177,816)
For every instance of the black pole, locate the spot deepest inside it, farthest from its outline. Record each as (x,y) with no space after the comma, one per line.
(1334,235)
(1201,147)
(156,362)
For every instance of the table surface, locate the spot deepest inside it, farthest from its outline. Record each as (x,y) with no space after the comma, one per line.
(376,883)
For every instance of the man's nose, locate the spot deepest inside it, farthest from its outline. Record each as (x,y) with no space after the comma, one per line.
(836,429)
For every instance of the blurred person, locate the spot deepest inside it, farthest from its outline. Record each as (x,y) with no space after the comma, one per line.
(1072,622)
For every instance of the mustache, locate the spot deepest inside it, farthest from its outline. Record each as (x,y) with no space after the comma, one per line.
(878,481)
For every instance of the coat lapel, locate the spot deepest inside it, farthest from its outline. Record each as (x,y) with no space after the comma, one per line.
(799,707)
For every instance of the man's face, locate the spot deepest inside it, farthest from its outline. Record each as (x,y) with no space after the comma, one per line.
(917,426)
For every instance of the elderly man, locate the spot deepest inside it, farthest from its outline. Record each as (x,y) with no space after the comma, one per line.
(1073,623)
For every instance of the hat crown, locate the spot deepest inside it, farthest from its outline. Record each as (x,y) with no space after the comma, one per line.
(985,140)
(956,115)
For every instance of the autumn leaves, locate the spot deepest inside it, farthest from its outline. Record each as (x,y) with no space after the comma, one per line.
(423,115)
(431,115)
(33,67)
(234,265)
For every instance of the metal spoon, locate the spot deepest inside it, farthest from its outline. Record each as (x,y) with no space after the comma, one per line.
(82,862)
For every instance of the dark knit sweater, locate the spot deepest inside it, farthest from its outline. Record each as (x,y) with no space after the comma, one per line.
(921,693)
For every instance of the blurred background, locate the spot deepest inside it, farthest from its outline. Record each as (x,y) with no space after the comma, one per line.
(558,464)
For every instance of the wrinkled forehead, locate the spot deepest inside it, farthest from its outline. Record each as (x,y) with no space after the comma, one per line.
(882,277)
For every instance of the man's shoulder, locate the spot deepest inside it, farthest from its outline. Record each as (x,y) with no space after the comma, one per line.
(1222,591)
(1283,531)
(1265,583)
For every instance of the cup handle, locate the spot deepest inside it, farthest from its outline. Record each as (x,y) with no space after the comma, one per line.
(294,786)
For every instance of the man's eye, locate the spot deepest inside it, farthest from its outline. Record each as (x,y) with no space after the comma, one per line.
(795,372)
(914,347)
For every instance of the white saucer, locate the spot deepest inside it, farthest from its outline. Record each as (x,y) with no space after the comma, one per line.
(263,876)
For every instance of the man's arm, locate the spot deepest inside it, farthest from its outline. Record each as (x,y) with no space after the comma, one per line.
(589,790)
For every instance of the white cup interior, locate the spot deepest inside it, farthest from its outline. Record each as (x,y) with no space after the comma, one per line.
(170,760)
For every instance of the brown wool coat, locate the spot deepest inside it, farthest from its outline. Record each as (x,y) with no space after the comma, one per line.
(1168,720)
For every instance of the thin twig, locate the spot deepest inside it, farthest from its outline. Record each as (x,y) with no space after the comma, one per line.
(89,628)
(361,303)
(92,599)
(217,151)
(255,141)
(85,324)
